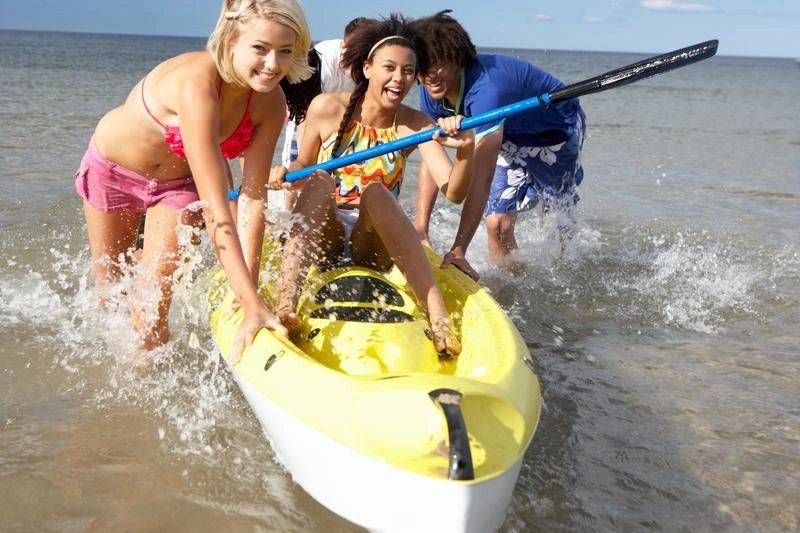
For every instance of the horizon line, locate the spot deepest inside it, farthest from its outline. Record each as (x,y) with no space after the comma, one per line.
(492,47)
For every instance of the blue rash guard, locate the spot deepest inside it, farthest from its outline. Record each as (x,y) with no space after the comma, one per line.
(496,81)
(540,154)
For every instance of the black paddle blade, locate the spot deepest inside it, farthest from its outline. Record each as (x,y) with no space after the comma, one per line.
(637,71)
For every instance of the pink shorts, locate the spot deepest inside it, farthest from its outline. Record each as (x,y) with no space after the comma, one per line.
(107,186)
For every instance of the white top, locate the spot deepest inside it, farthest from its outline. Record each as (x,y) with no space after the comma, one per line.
(334,80)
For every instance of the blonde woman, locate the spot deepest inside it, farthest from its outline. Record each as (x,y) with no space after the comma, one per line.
(165,147)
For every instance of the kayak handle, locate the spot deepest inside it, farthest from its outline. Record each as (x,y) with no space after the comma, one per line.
(449,400)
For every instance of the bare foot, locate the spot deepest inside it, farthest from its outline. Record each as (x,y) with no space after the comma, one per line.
(144,362)
(290,321)
(513,266)
(445,340)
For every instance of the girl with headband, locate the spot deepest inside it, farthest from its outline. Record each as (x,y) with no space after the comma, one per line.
(355,210)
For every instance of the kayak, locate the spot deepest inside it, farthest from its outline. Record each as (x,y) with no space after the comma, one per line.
(365,415)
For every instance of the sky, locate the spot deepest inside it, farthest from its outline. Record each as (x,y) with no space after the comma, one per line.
(765,28)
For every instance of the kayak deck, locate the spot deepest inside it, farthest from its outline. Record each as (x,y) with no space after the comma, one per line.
(361,379)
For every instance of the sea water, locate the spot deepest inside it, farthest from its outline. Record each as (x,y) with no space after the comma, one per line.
(664,334)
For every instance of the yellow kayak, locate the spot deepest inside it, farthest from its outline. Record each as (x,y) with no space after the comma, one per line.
(365,415)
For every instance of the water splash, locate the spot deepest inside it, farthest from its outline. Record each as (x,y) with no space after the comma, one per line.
(189,391)
(691,281)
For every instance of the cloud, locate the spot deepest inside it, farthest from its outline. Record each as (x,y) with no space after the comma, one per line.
(594,19)
(543,18)
(672,5)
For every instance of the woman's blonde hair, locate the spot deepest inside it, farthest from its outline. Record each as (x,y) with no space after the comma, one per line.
(237,12)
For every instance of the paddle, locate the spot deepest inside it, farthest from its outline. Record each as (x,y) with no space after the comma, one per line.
(614,78)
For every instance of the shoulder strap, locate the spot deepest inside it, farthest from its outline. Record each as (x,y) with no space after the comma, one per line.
(144,103)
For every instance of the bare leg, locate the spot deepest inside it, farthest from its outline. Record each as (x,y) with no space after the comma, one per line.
(159,261)
(502,242)
(383,234)
(315,236)
(112,237)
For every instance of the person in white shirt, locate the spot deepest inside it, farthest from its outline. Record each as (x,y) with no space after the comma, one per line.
(329,77)
(334,78)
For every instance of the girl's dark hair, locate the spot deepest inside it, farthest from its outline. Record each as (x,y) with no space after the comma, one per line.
(299,95)
(396,31)
(442,40)
(353,24)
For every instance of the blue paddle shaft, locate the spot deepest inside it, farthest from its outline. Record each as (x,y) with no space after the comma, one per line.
(615,78)
(412,140)
(418,138)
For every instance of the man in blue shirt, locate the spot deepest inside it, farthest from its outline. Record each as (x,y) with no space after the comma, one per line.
(520,161)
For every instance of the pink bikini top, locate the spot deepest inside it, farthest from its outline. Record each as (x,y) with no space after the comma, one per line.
(231,147)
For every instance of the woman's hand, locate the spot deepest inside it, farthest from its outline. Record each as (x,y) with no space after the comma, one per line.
(461,263)
(261,317)
(455,136)
(277,180)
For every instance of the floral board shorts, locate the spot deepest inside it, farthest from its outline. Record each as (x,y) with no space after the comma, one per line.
(524,174)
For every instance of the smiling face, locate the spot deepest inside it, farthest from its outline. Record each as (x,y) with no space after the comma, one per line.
(262,54)
(391,72)
(442,82)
